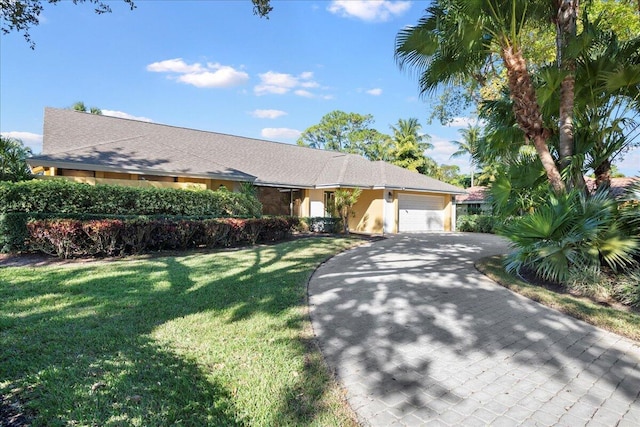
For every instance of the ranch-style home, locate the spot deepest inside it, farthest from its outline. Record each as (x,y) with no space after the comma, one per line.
(291,180)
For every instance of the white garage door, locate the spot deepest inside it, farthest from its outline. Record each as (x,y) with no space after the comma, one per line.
(420,213)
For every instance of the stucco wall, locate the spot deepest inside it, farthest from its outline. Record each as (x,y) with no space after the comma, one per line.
(368,212)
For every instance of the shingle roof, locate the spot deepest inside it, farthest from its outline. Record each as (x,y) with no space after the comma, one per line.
(77,140)
(477,194)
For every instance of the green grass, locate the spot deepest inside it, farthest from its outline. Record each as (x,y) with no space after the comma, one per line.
(200,339)
(620,321)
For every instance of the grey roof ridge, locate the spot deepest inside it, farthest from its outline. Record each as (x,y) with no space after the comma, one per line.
(343,169)
(191,129)
(325,166)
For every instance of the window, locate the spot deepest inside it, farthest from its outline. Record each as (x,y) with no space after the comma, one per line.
(329,204)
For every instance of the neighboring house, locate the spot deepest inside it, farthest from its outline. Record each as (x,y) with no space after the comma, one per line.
(617,188)
(475,202)
(291,180)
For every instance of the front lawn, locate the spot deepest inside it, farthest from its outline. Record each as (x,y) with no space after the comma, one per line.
(200,339)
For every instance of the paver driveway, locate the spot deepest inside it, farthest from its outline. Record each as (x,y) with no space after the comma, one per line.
(418,336)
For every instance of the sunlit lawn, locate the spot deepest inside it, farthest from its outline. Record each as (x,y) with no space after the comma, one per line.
(200,339)
(621,322)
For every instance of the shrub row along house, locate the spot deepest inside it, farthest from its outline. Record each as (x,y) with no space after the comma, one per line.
(290,180)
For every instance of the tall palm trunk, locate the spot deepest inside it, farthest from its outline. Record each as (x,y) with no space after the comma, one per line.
(603,174)
(566,30)
(527,112)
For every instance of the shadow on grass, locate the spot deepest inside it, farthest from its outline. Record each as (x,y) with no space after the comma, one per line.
(81,345)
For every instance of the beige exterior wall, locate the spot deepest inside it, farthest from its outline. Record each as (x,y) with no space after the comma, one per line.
(369,211)
(304,205)
(134,180)
(316,202)
(215,184)
(129,183)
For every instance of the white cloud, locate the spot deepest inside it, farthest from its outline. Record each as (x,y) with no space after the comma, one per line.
(212,75)
(123,115)
(281,83)
(369,10)
(176,65)
(31,140)
(268,114)
(375,91)
(303,93)
(280,133)
(463,122)
(442,151)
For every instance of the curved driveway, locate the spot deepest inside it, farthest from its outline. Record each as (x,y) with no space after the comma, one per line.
(417,336)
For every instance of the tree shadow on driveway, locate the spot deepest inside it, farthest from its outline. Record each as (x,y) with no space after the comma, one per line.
(416,334)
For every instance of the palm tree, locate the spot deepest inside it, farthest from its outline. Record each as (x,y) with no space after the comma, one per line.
(468,146)
(607,99)
(80,106)
(456,39)
(13,156)
(345,199)
(409,145)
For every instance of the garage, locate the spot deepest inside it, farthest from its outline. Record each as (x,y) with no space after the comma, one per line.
(420,213)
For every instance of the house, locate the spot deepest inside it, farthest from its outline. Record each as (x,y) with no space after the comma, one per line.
(290,180)
(475,202)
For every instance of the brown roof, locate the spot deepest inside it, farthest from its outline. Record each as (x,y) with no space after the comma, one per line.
(480,194)
(618,185)
(475,194)
(77,140)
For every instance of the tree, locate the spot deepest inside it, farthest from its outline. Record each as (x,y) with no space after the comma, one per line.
(607,99)
(409,146)
(345,132)
(468,146)
(458,38)
(21,15)
(345,199)
(80,106)
(469,43)
(13,160)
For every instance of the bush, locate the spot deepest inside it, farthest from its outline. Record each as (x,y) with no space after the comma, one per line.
(568,232)
(61,196)
(67,237)
(475,223)
(320,225)
(13,231)
(627,288)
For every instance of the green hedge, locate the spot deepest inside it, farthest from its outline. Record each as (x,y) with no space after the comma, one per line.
(61,196)
(476,223)
(69,238)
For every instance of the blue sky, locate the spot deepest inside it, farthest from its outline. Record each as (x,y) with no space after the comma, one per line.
(213,65)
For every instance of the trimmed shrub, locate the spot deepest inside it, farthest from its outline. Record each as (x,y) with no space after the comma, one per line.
(475,223)
(13,231)
(68,238)
(61,196)
(320,224)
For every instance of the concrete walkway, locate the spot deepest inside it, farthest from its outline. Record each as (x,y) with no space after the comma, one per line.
(418,337)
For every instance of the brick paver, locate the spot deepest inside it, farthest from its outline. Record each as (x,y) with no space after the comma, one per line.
(417,336)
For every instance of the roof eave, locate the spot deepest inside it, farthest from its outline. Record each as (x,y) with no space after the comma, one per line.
(34,161)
